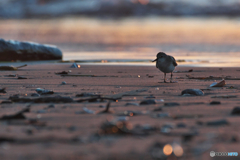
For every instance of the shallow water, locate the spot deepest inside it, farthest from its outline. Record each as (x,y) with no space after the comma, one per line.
(193,41)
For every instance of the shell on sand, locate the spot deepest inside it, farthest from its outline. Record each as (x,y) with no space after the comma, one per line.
(218,84)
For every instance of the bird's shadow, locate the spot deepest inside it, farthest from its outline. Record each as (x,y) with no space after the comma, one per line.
(168,82)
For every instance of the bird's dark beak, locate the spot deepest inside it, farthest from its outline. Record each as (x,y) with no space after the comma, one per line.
(155,60)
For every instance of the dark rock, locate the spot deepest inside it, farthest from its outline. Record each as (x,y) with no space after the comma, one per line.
(236,111)
(3,90)
(150,97)
(86,94)
(10,75)
(215,102)
(192,92)
(147,102)
(51,106)
(6,102)
(217,122)
(161,115)
(27,51)
(42,111)
(172,104)
(63,72)
(35,95)
(157,109)
(131,104)
(56,99)
(21,77)
(234,139)
(181,125)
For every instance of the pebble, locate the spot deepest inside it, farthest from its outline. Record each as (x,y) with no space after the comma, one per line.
(192,92)
(215,102)
(181,125)
(21,77)
(236,111)
(172,104)
(42,111)
(35,95)
(150,97)
(157,109)
(63,83)
(217,122)
(131,104)
(51,106)
(161,115)
(147,102)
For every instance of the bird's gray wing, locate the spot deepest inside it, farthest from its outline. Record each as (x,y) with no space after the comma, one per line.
(174,61)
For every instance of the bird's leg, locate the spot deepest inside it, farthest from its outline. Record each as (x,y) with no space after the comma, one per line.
(165,78)
(171,78)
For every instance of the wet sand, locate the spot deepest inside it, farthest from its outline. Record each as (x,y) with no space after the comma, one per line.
(66,132)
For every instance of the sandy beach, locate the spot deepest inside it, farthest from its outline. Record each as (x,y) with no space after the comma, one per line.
(78,129)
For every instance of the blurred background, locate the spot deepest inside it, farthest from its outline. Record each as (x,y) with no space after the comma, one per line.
(197,33)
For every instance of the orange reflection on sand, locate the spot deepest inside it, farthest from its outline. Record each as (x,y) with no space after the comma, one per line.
(167,149)
(177,150)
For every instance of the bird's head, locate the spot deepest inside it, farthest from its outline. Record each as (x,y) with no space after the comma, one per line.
(160,55)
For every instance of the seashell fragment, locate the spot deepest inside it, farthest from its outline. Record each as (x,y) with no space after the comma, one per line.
(218,84)
(75,65)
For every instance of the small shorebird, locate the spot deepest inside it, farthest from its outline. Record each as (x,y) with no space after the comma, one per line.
(165,63)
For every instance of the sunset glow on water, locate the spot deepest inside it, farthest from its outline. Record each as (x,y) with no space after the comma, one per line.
(192,41)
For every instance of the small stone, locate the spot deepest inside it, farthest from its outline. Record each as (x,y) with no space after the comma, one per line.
(6,102)
(150,97)
(236,111)
(217,122)
(35,95)
(41,111)
(63,83)
(215,103)
(51,106)
(192,92)
(131,104)
(157,109)
(3,90)
(72,128)
(21,77)
(172,104)
(147,102)
(11,75)
(225,96)
(62,73)
(161,115)
(181,125)
(234,139)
